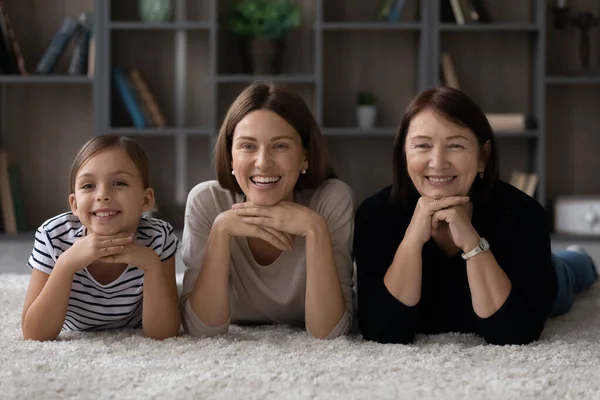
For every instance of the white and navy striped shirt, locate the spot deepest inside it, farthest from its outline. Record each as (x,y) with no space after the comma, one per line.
(93,306)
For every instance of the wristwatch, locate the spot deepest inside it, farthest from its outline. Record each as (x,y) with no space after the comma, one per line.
(480,248)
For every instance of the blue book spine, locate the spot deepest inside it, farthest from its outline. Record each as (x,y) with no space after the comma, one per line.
(79,59)
(126,92)
(57,46)
(396,11)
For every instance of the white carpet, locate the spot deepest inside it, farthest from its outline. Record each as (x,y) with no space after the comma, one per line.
(281,363)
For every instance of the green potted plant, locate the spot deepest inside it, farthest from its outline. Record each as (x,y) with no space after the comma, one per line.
(261,26)
(366,109)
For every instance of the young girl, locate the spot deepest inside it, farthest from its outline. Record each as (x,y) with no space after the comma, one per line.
(104,265)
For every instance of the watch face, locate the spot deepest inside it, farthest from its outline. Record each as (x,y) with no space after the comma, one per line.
(484,244)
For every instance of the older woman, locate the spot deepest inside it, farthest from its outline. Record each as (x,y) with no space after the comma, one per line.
(270,242)
(451,248)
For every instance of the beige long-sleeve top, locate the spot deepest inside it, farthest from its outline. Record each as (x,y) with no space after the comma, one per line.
(274,293)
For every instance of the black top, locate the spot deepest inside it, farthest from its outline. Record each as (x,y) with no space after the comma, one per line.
(517,229)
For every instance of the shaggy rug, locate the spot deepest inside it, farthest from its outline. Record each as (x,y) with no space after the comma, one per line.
(284,363)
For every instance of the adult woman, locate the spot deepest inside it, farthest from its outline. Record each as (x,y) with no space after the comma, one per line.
(271,241)
(451,248)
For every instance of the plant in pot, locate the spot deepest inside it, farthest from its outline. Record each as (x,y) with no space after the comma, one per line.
(155,10)
(366,109)
(261,26)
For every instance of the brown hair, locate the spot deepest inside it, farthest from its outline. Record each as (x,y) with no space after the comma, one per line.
(103,142)
(457,107)
(289,106)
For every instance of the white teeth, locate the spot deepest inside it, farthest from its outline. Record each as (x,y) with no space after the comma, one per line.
(105,214)
(439,179)
(265,179)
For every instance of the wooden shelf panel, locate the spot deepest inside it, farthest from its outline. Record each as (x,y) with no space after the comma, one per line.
(356,131)
(371,26)
(168,131)
(573,79)
(46,79)
(491,27)
(529,134)
(391,131)
(287,78)
(172,26)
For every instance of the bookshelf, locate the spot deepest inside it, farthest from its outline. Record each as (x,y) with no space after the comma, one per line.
(517,63)
(44,119)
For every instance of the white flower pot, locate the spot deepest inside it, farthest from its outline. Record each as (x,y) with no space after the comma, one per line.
(365,116)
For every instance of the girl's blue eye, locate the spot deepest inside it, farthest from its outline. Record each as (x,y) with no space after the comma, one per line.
(87,186)
(247,146)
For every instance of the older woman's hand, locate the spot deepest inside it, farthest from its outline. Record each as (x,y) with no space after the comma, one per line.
(461,229)
(286,216)
(420,228)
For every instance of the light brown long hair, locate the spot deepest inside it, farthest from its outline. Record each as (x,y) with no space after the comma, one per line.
(101,143)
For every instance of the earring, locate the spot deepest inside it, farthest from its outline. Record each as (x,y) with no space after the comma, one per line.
(481,175)
(232,172)
(303,171)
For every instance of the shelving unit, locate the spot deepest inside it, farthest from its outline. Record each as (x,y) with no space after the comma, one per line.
(193,68)
(514,82)
(44,119)
(310,67)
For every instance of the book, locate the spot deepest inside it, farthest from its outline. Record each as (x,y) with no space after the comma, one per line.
(508,122)
(6,199)
(57,46)
(465,8)
(457,11)
(396,11)
(448,71)
(446,13)
(17,56)
(385,8)
(147,98)
(91,68)
(126,92)
(8,62)
(79,58)
(16,188)
(526,182)
(478,11)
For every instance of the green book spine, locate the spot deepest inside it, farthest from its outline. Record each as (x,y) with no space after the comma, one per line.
(16,187)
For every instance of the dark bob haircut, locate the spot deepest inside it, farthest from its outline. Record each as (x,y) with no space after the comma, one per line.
(457,107)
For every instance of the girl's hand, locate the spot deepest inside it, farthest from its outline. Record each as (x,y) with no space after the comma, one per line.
(420,228)
(233,224)
(135,254)
(459,224)
(285,216)
(93,247)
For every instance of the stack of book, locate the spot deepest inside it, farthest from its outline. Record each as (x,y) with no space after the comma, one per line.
(77,30)
(527,182)
(137,98)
